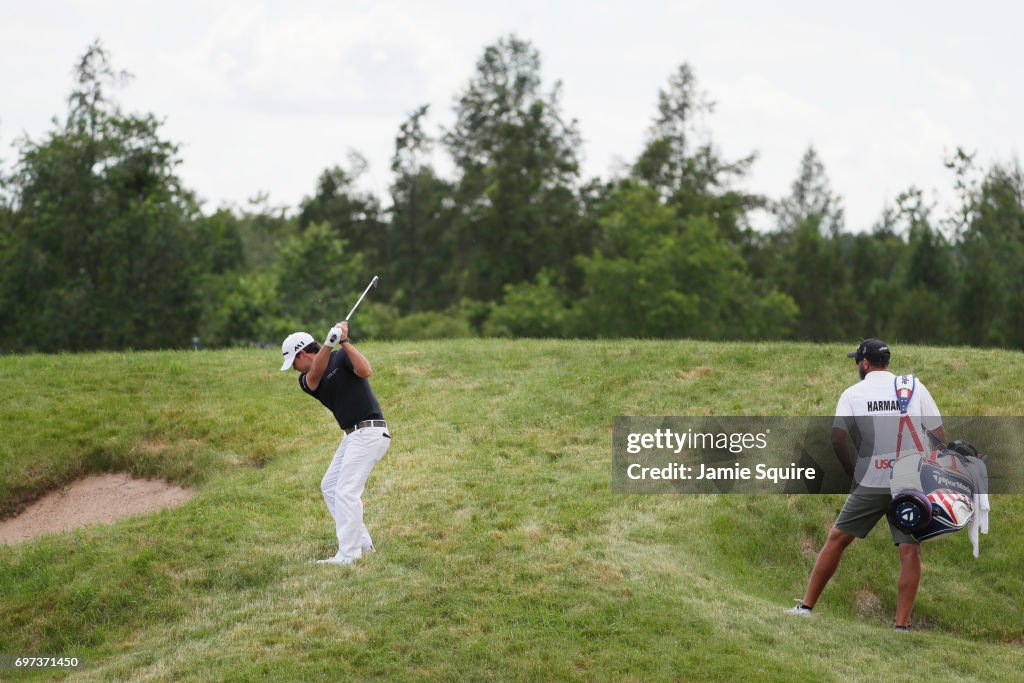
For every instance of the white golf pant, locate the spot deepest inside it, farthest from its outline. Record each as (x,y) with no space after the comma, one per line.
(343,485)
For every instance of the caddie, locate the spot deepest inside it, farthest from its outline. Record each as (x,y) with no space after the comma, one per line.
(339,380)
(888,415)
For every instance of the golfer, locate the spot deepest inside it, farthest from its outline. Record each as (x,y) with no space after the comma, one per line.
(872,410)
(338,379)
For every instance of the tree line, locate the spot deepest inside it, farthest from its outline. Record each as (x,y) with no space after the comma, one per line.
(101,241)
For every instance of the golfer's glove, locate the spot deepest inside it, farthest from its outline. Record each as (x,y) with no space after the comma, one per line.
(334,336)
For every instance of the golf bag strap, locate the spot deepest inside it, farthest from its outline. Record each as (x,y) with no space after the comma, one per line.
(904,387)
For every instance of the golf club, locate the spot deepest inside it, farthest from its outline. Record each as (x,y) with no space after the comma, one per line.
(373,283)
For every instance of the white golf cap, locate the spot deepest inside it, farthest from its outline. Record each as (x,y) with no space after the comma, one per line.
(294,343)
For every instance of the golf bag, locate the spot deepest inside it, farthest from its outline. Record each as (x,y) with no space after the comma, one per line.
(934,494)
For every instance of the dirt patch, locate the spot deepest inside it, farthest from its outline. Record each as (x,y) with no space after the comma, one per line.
(867,603)
(695,373)
(98,499)
(808,548)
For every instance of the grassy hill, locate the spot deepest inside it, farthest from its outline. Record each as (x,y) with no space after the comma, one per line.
(502,553)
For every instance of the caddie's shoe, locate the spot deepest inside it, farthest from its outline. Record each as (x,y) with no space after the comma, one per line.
(337,559)
(901,629)
(800,610)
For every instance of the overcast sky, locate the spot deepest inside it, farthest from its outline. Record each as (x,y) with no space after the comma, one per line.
(263,96)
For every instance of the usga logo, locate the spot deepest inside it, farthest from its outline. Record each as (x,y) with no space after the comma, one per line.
(884,464)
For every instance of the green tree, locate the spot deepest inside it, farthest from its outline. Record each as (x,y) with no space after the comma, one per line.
(655,274)
(517,168)
(810,266)
(243,307)
(318,278)
(630,281)
(811,198)
(540,308)
(927,285)
(263,227)
(874,263)
(681,162)
(353,215)
(221,234)
(992,260)
(423,243)
(102,242)
(7,287)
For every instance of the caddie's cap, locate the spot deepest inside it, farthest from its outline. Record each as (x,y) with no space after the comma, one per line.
(294,343)
(875,350)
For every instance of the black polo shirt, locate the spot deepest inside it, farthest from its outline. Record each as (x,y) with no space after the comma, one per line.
(344,393)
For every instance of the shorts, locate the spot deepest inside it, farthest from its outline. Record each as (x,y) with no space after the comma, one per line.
(861,512)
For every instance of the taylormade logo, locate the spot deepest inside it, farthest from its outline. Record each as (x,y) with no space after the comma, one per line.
(952,483)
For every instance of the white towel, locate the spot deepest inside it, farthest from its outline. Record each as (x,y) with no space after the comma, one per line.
(979,520)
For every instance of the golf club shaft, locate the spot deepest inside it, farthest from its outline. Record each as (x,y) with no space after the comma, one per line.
(373,282)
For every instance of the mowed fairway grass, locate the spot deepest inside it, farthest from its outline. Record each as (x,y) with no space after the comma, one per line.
(502,552)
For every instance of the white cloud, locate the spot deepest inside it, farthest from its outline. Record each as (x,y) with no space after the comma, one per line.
(951,87)
(298,92)
(266,95)
(800,44)
(871,152)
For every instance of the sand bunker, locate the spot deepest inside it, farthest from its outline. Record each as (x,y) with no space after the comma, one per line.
(101,498)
